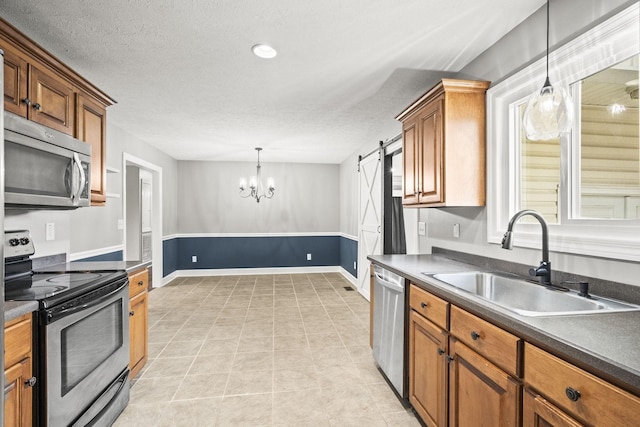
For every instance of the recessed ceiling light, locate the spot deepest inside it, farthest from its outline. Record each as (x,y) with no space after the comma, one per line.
(264,51)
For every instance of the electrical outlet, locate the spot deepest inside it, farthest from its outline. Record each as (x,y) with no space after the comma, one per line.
(355,265)
(194,258)
(121,224)
(422,228)
(50,233)
(456,231)
(308,257)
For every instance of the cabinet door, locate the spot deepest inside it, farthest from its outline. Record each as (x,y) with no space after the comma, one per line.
(410,162)
(537,412)
(15,82)
(17,404)
(430,156)
(92,122)
(428,370)
(52,100)
(138,332)
(480,394)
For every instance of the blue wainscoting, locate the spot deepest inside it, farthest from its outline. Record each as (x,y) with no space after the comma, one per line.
(169,256)
(258,252)
(110,256)
(349,255)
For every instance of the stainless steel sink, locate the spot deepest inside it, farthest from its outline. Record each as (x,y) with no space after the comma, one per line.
(529,299)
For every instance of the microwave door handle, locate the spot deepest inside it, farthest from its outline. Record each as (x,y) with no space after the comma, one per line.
(83,179)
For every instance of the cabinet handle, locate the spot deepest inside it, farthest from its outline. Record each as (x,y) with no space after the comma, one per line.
(140,283)
(37,106)
(26,101)
(131,313)
(572,394)
(475,336)
(424,305)
(30,382)
(440,351)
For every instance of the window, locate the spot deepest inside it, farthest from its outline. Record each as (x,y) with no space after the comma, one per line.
(586,184)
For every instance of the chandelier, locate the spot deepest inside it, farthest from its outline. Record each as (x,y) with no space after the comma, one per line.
(256,188)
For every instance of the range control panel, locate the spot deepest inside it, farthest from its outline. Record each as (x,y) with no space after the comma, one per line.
(18,243)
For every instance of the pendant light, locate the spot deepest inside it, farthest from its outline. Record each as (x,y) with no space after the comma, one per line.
(549,111)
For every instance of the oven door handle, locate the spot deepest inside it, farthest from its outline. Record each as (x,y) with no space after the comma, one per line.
(55,313)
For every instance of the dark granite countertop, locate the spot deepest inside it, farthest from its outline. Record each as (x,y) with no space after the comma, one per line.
(128,266)
(607,345)
(15,309)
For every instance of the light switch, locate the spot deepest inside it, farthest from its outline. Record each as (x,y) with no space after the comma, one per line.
(121,224)
(422,228)
(456,231)
(50,233)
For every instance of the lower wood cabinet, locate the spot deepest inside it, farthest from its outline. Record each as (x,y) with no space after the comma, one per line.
(452,383)
(480,393)
(138,321)
(428,385)
(577,393)
(18,404)
(538,412)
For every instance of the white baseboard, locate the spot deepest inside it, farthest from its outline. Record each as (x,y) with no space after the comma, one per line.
(258,271)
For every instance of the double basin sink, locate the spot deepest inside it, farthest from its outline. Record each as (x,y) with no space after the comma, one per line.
(529,299)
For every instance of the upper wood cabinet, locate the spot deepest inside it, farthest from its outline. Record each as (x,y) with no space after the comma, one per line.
(91,121)
(41,88)
(444,145)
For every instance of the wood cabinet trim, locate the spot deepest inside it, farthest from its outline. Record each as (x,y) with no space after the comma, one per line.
(13,36)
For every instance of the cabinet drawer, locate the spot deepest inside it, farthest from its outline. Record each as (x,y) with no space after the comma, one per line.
(579,393)
(138,282)
(17,339)
(497,345)
(428,305)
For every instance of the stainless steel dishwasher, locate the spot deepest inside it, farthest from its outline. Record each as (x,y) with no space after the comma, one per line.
(388,326)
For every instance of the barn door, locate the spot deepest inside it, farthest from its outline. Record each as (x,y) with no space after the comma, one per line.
(369,217)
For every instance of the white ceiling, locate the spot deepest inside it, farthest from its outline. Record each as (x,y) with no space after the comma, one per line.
(186,81)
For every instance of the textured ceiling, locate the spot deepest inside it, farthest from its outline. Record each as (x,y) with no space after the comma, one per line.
(187,82)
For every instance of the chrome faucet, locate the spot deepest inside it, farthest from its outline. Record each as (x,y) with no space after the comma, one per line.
(544,269)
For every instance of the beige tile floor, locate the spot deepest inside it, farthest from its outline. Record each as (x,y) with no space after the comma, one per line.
(265,350)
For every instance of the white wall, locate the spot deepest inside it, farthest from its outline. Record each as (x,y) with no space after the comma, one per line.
(306,198)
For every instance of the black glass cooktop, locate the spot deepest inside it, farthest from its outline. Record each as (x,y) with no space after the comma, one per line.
(51,289)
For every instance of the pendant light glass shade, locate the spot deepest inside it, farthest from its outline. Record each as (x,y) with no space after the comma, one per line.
(549,111)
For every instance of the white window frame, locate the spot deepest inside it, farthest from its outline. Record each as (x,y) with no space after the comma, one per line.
(607,44)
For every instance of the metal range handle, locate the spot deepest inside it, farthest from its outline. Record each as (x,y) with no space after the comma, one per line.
(57,315)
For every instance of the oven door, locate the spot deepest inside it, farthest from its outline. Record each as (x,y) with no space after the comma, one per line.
(87,349)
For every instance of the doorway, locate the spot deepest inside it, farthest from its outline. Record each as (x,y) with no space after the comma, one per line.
(142,207)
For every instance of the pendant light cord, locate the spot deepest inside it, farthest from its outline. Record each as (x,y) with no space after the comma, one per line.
(547,40)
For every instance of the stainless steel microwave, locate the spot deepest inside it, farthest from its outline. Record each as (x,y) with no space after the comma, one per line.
(44,168)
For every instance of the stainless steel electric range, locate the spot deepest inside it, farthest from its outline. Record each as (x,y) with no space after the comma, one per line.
(81,340)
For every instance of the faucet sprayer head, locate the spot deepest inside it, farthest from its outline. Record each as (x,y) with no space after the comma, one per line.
(507,240)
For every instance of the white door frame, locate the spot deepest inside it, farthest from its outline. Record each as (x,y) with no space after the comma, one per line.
(370,202)
(156,214)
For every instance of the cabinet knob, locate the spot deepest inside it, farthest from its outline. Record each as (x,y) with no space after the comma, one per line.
(424,305)
(131,313)
(572,394)
(30,382)
(440,351)
(26,101)
(475,336)
(140,283)
(37,106)
(450,359)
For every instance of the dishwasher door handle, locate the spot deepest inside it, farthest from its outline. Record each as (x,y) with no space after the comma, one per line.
(387,284)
